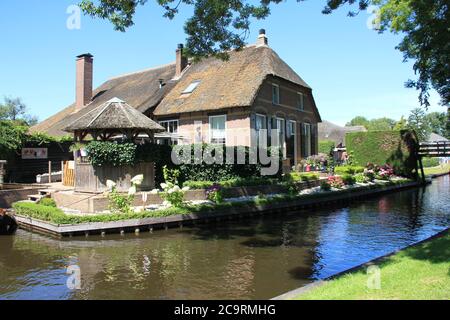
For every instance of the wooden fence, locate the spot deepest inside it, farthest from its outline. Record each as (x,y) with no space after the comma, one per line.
(93,179)
(69,174)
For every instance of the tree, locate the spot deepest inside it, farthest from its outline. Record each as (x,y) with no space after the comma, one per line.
(402,124)
(437,122)
(417,121)
(358,121)
(380,124)
(15,110)
(220,25)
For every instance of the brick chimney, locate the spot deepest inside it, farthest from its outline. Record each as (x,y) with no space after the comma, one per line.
(84,80)
(181,61)
(262,39)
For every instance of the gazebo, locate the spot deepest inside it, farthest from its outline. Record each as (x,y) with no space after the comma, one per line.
(113,118)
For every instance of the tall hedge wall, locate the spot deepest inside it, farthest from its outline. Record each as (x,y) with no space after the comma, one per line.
(397,148)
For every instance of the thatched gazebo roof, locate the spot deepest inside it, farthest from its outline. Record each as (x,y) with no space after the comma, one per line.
(112,118)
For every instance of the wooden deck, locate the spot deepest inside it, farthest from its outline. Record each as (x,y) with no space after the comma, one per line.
(435,149)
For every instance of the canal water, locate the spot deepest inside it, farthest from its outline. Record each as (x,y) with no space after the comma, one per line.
(248,259)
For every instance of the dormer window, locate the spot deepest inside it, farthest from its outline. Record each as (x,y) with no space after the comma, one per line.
(275,94)
(191,87)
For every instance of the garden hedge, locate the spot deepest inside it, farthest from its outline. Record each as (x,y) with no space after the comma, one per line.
(326,146)
(396,148)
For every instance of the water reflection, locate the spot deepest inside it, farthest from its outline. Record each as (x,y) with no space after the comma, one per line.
(249,259)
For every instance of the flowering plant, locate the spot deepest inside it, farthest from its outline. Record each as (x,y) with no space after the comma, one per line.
(385,172)
(214,193)
(119,203)
(336,182)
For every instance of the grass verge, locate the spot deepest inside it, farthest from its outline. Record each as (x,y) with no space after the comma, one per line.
(437,170)
(421,272)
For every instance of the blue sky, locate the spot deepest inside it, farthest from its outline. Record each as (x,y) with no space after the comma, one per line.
(353,70)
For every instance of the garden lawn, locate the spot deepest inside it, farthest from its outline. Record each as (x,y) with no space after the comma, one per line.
(437,170)
(421,272)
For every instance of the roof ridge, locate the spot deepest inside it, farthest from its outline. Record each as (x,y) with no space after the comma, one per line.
(142,71)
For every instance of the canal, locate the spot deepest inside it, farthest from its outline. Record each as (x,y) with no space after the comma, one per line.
(247,259)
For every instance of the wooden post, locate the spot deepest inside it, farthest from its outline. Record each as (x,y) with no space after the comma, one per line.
(421,170)
(49,172)
(62,172)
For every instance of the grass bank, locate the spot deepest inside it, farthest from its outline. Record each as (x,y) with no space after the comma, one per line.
(421,272)
(437,170)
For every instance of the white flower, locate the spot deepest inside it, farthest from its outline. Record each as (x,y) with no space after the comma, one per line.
(186,189)
(176,189)
(154,191)
(164,185)
(137,180)
(166,203)
(110,184)
(170,191)
(132,191)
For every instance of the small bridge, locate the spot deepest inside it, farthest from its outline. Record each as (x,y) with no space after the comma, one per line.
(435,149)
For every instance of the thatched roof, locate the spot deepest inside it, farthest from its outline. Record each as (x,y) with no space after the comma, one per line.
(434,137)
(140,89)
(224,84)
(336,133)
(114,114)
(227,84)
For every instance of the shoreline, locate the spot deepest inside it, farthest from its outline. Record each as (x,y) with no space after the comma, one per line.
(296,293)
(178,221)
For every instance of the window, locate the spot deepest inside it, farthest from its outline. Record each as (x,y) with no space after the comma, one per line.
(306,140)
(260,124)
(217,129)
(171,126)
(280,125)
(275,94)
(300,101)
(291,128)
(191,87)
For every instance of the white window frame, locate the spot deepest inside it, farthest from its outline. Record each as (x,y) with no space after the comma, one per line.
(211,130)
(282,135)
(293,133)
(274,85)
(191,87)
(264,126)
(307,133)
(301,101)
(168,122)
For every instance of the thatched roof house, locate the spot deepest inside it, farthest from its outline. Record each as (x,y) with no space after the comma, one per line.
(211,101)
(336,133)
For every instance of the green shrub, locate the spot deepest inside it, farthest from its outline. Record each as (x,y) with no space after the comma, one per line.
(49,202)
(198,184)
(39,211)
(341,170)
(326,146)
(349,179)
(397,148)
(361,178)
(430,162)
(303,176)
(103,153)
(200,171)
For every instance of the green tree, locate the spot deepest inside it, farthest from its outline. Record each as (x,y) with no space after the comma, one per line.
(417,121)
(402,124)
(15,110)
(358,121)
(219,25)
(381,124)
(437,122)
